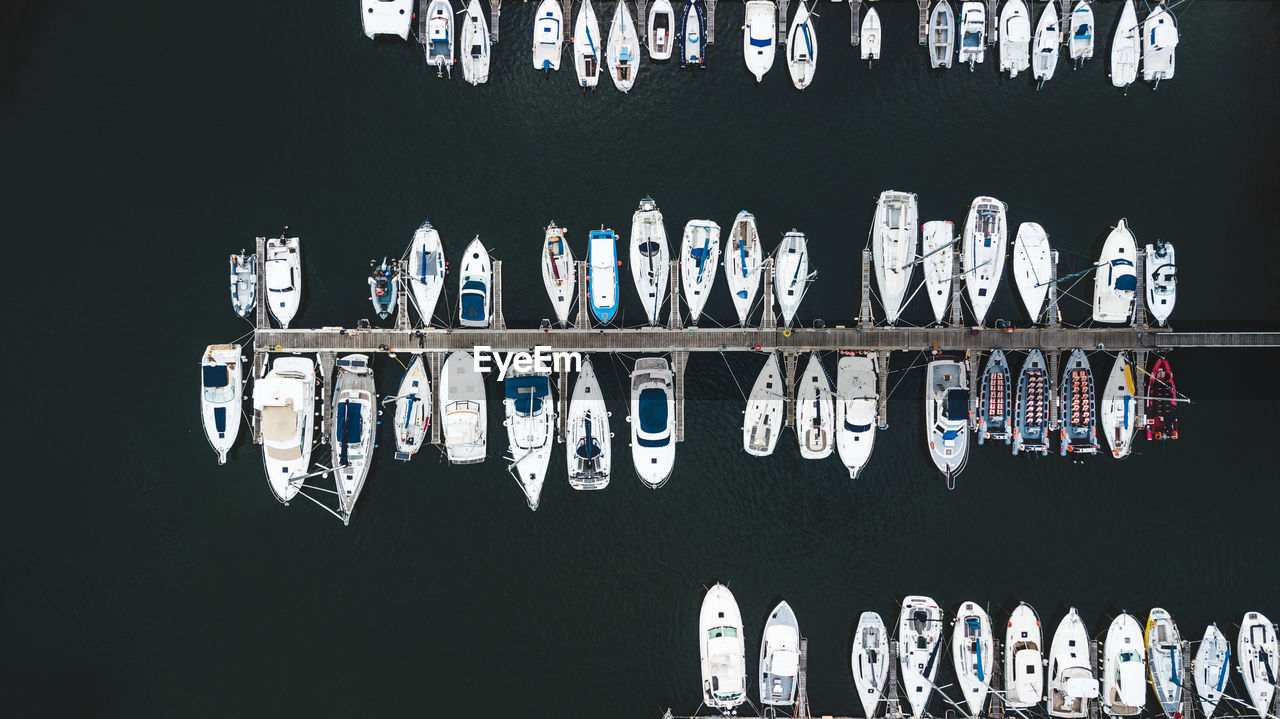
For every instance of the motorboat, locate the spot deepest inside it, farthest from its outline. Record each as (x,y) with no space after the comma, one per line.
(856,410)
(384,289)
(475,283)
(946,415)
(1161,267)
(973,32)
(427,268)
(938,262)
(1159,45)
(475,45)
(244,282)
(1031,412)
(653,421)
(435,28)
(548,36)
(1161,410)
(602,274)
(386,17)
(463,410)
(1070,674)
(1032,266)
(530,419)
(762,421)
(986,236)
(742,259)
(973,655)
(1164,661)
(895,240)
(1124,686)
(587,433)
(815,412)
(1079,433)
(722,650)
(1080,44)
(942,35)
(586,46)
(870,661)
(759,36)
(284,401)
(1014,35)
(1126,47)
(413,409)
(355,406)
(1114,282)
(283,275)
(221,382)
(869,35)
(1259,658)
(650,258)
(919,649)
(1044,50)
(1023,659)
(1212,669)
(1120,408)
(791,274)
(693,35)
(780,657)
(699,255)
(995,400)
(623,52)
(802,48)
(661,30)
(559,273)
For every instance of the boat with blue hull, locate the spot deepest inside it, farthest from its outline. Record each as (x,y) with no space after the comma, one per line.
(1079,431)
(693,35)
(1031,413)
(994,400)
(602,274)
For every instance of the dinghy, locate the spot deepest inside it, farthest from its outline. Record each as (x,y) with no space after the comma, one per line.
(1079,423)
(413,409)
(426,270)
(602,274)
(1023,659)
(548,36)
(986,236)
(972,654)
(285,402)
(1164,661)
(1161,410)
(1125,48)
(653,417)
(463,409)
(742,263)
(1032,265)
(1159,43)
(386,17)
(995,400)
(869,36)
(384,290)
(586,46)
(870,661)
(1071,681)
(559,273)
(1124,689)
(758,37)
(791,274)
(693,31)
(780,657)
(699,254)
(650,258)
(856,407)
(942,35)
(919,649)
(530,420)
(221,380)
(283,275)
(1120,408)
(1014,35)
(623,53)
(1259,658)
(938,259)
(815,413)
(722,650)
(661,30)
(1212,669)
(475,45)
(946,415)
(762,420)
(1044,51)
(1161,267)
(435,28)
(802,48)
(587,433)
(1114,282)
(244,283)
(355,403)
(895,239)
(474,286)
(973,32)
(1080,45)
(1031,413)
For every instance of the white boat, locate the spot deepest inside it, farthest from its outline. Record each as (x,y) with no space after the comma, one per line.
(946,415)
(244,282)
(919,649)
(1080,44)
(986,236)
(426,270)
(1014,35)
(1126,47)
(530,419)
(870,661)
(869,36)
(1114,282)
(1031,266)
(283,275)
(1259,658)
(1212,669)
(693,40)
(759,37)
(587,433)
(1161,266)
(475,45)
(661,30)
(435,28)
(942,35)
(699,255)
(475,283)
(1124,686)
(355,405)
(463,410)
(221,382)
(650,258)
(802,48)
(1159,45)
(815,411)
(386,17)
(559,273)
(742,263)
(973,32)
(548,36)
(780,657)
(1044,51)
(856,408)
(1070,674)
(285,402)
(602,274)
(973,655)
(791,274)
(586,46)
(413,409)
(1119,409)
(623,52)
(895,240)
(652,419)
(1164,661)
(1023,659)
(938,262)
(722,650)
(762,421)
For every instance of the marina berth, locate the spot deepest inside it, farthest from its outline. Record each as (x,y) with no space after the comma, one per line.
(973,655)
(870,661)
(856,407)
(1023,659)
(1080,42)
(946,415)
(699,258)
(650,258)
(871,35)
(1014,36)
(588,438)
(1125,48)
(780,657)
(895,240)
(1164,661)
(722,650)
(531,425)
(463,410)
(285,402)
(383,287)
(759,37)
(1031,413)
(1120,408)
(693,31)
(937,261)
(602,274)
(652,419)
(413,409)
(474,42)
(802,48)
(973,32)
(762,421)
(427,268)
(986,237)
(559,275)
(548,36)
(283,274)
(1212,669)
(1124,686)
(355,403)
(942,35)
(221,382)
(1160,264)
(1032,266)
(623,52)
(587,46)
(386,17)
(1044,50)
(244,282)
(1114,282)
(919,650)
(791,274)
(1161,410)
(742,259)
(995,400)
(661,30)
(1070,674)
(815,411)
(1079,418)
(436,32)
(475,287)
(1258,654)
(1159,45)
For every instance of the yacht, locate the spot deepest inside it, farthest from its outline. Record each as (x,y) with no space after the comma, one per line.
(435,28)
(1164,661)
(1014,35)
(995,400)
(1070,674)
(559,273)
(548,36)
(413,409)
(1212,669)
(602,274)
(463,409)
(653,415)
(661,30)
(815,413)
(426,270)
(946,415)
(1126,47)
(283,275)
(650,258)
(531,430)
(1124,688)
(285,403)
(802,48)
(762,421)
(973,655)
(1080,45)
(869,36)
(693,35)
(699,255)
(586,46)
(1161,267)
(1162,411)
(1032,266)
(722,650)
(1079,433)
(758,37)
(942,35)
(475,45)
(221,381)
(623,52)
(1023,659)
(587,433)
(1119,408)
(1031,412)
(244,282)
(895,240)
(355,406)
(791,274)
(742,263)
(1114,282)
(1044,50)
(475,285)
(937,260)
(919,649)
(384,290)
(986,236)
(973,32)
(780,657)
(870,661)
(1159,44)
(1259,657)
(856,408)
(386,17)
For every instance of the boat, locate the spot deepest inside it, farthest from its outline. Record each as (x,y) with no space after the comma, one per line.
(586,46)
(650,258)
(1259,657)
(1114,282)
(1014,35)
(938,262)
(475,45)
(285,403)
(780,657)
(355,404)
(475,285)
(384,290)
(1032,266)
(1212,669)
(283,275)
(1119,409)
(742,263)
(653,417)
(1159,45)
(602,274)
(972,654)
(244,282)
(1124,689)
(693,35)
(548,36)
(1126,48)
(661,30)
(463,410)
(587,432)
(791,274)
(758,36)
(623,52)
(722,650)
(762,420)
(530,420)
(942,35)
(1031,412)
(870,661)
(427,268)
(856,407)
(946,415)
(1044,50)
(1164,661)
(386,17)
(802,48)
(1161,267)
(1070,674)
(1079,422)
(413,409)
(1023,659)
(435,27)
(1161,410)
(895,240)
(815,412)
(973,32)
(986,236)
(559,273)
(995,400)
(869,36)
(221,381)
(1080,44)
(919,647)
(699,255)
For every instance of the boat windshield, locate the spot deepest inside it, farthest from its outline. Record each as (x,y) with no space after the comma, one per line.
(219,395)
(718,632)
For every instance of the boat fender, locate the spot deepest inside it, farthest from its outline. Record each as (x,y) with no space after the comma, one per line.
(786,332)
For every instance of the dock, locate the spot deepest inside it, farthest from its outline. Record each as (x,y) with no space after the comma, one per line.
(855,17)
(923,6)
(711,22)
(495,12)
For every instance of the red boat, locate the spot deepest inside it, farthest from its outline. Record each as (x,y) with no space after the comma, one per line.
(1162,411)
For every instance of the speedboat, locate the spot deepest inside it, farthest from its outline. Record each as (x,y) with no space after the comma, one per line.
(1120,407)
(742,263)
(942,35)
(972,654)
(1014,35)
(602,274)
(1164,661)
(285,403)
(919,649)
(1161,410)
(559,274)
(436,30)
(548,36)
(1125,48)
(722,650)
(1114,282)
(758,37)
(1079,433)
(869,36)
(475,283)
(937,259)
(986,236)
(1032,265)
(426,270)
(661,30)
(384,290)
(586,46)
(283,275)
(791,274)
(780,657)
(995,400)
(1259,657)
(650,258)
(856,406)
(1159,43)
(699,254)
(973,32)
(1212,669)
(815,413)
(386,17)
(221,374)
(653,421)
(463,409)
(1080,45)
(1044,51)
(946,415)
(623,52)
(413,409)
(762,421)
(1031,413)
(802,48)
(870,661)
(1161,267)
(587,433)
(355,402)
(531,430)
(693,35)
(244,282)
(475,44)
(895,239)
(1023,659)
(1071,680)
(1124,688)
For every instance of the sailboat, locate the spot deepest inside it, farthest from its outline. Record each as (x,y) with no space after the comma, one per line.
(1031,413)
(1014,35)
(1159,45)
(758,37)
(548,36)
(355,402)
(285,403)
(856,406)
(661,27)
(693,31)
(973,655)
(602,274)
(1080,44)
(815,413)
(1124,690)
(652,419)
(1079,422)
(413,409)
(973,32)
(650,258)
(946,415)
(426,270)
(802,48)
(559,274)
(1161,411)
(986,235)
(1023,659)
(1114,282)
(722,650)
(1164,661)
(1044,51)
(586,46)
(791,275)
(1259,656)
(221,382)
(475,44)
(1120,407)
(463,410)
(623,52)
(919,649)
(942,35)
(742,263)
(283,275)
(1161,267)
(436,31)
(1032,265)
(386,17)
(870,661)
(1070,678)
(938,261)
(762,420)
(475,286)
(895,237)
(530,420)
(587,435)
(1125,48)
(1212,669)
(869,36)
(384,290)
(995,400)
(699,255)
(244,282)
(780,657)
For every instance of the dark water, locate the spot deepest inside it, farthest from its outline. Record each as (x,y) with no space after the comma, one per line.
(144,141)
